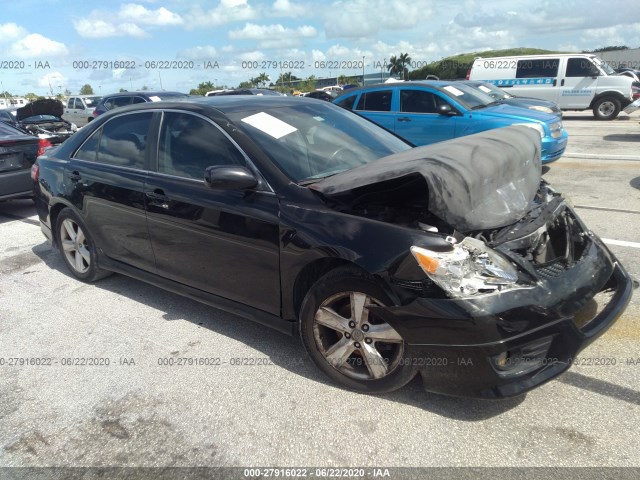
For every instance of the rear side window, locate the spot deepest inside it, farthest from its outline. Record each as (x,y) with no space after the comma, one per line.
(89,148)
(78,104)
(379,101)
(124,140)
(189,144)
(139,100)
(537,68)
(581,67)
(347,102)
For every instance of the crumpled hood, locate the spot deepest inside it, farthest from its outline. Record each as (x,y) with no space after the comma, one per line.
(477,182)
(48,106)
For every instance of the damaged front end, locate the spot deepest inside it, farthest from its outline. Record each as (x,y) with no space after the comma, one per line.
(43,118)
(508,285)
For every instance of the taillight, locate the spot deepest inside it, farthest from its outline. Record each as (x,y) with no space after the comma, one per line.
(35,172)
(95,114)
(468,74)
(43,144)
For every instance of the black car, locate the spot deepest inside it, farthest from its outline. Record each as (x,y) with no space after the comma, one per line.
(322,95)
(124,99)
(18,152)
(452,260)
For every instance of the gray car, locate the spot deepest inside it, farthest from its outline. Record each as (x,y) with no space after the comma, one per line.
(501,96)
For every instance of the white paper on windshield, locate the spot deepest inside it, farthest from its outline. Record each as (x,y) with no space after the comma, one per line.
(453,90)
(269,125)
(153,98)
(484,89)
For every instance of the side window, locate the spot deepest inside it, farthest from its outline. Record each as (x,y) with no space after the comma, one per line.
(537,68)
(70,103)
(79,105)
(581,67)
(419,101)
(379,101)
(121,101)
(347,102)
(124,140)
(89,148)
(189,144)
(139,100)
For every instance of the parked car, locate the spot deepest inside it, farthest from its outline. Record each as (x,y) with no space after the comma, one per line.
(43,118)
(426,112)
(18,152)
(575,81)
(123,99)
(384,258)
(79,109)
(329,96)
(247,91)
(501,96)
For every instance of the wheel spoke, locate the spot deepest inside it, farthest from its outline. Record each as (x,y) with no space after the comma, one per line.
(80,236)
(359,312)
(68,245)
(68,226)
(84,252)
(383,333)
(79,262)
(339,352)
(375,362)
(329,318)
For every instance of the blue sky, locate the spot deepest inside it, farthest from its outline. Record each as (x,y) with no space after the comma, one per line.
(45,44)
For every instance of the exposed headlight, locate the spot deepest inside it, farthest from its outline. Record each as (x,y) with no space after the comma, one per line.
(540,108)
(535,126)
(468,269)
(556,129)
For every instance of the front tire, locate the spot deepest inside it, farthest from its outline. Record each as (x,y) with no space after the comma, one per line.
(606,108)
(347,341)
(77,247)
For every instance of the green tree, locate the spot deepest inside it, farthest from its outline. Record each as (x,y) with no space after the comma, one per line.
(261,80)
(122,90)
(405,60)
(86,90)
(395,66)
(203,87)
(247,84)
(31,96)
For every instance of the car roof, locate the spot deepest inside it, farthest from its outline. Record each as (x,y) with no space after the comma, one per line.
(143,92)
(438,84)
(221,104)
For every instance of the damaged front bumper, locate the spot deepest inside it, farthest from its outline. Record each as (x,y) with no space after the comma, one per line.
(505,343)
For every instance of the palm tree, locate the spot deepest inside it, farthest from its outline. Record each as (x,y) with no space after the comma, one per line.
(262,79)
(404,59)
(395,65)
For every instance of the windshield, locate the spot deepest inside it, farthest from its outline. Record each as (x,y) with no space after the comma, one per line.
(467,96)
(311,141)
(604,66)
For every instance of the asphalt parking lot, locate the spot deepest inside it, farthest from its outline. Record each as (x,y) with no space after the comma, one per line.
(278,409)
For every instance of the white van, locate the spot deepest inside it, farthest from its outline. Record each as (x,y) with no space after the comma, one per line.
(573,81)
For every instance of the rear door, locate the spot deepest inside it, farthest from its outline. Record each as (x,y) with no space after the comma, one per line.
(376,106)
(105,181)
(419,121)
(225,242)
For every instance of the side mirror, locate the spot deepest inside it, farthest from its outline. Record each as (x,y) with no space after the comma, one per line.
(445,109)
(234,177)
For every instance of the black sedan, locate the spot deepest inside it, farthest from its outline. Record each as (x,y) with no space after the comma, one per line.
(452,260)
(18,152)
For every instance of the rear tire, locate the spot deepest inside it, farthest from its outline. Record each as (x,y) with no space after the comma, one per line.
(77,247)
(606,108)
(347,341)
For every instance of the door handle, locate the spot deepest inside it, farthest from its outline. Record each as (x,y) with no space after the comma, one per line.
(75,176)
(404,119)
(158,198)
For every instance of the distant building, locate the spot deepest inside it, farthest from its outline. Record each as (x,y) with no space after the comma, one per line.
(9,102)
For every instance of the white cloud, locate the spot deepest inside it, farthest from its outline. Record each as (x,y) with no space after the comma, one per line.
(251,56)
(53,79)
(11,31)
(285,8)
(273,36)
(125,22)
(205,52)
(37,46)
(140,14)
(227,11)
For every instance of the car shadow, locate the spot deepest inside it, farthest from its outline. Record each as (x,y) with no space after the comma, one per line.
(283,350)
(622,137)
(635,183)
